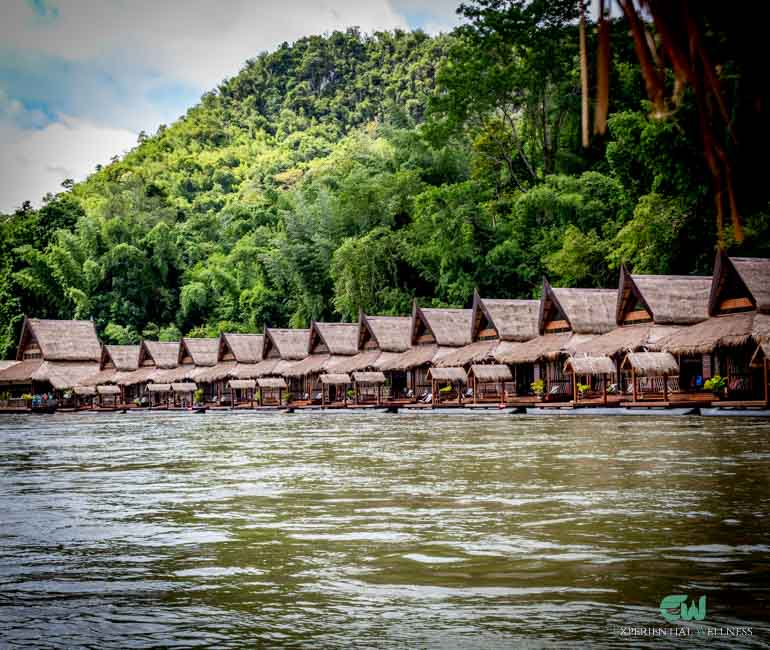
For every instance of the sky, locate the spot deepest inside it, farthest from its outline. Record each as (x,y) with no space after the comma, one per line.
(79,79)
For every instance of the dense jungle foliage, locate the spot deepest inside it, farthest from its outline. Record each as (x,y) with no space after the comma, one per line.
(353,172)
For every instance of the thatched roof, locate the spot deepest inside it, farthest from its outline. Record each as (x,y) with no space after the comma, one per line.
(547,346)
(590,366)
(670,299)
(450,327)
(731,330)
(477,352)
(4,365)
(222,370)
(20,372)
(419,355)
(337,338)
(514,320)
(271,382)
(360,361)
(628,338)
(336,378)
(174,375)
(391,333)
(158,388)
(587,311)
(651,364)
(84,391)
(242,383)
(312,364)
(246,348)
(369,377)
(64,374)
(385,359)
(124,357)
(448,374)
(204,352)
(753,275)
(163,354)
(184,387)
(61,340)
(291,344)
(244,370)
(139,376)
(108,390)
(490,372)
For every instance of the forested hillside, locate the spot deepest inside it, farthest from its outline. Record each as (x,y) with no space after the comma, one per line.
(353,172)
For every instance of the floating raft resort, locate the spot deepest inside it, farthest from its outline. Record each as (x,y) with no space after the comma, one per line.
(649,346)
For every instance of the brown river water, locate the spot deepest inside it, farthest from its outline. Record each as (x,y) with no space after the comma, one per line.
(381,530)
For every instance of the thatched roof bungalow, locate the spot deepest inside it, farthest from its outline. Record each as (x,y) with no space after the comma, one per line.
(739,309)
(380,339)
(328,344)
(154,358)
(434,333)
(495,324)
(116,361)
(649,308)
(56,354)
(281,349)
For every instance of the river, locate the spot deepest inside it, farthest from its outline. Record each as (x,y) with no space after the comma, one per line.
(380,530)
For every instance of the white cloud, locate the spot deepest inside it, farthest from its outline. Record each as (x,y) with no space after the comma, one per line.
(195,41)
(34,162)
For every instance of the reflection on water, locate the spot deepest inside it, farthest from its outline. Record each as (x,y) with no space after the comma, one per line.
(373,529)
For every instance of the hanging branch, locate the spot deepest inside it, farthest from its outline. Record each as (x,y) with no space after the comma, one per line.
(602,73)
(584,75)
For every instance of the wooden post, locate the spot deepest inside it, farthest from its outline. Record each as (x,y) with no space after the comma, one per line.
(475,388)
(574,387)
(459,392)
(433,395)
(665,387)
(232,397)
(604,389)
(633,381)
(767,396)
(379,394)
(323,395)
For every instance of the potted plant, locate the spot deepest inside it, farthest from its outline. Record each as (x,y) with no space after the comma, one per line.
(198,397)
(717,385)
(582,390)
(538,387)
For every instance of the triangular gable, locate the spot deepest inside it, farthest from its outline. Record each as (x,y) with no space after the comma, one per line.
(316,343)
(269,348)
(28,347)
(225,352)
(367,340)
(632,307)
(106,362)
(145,356)
(553,318)
(422,334)
(185,356)
(482,324)
(729,293)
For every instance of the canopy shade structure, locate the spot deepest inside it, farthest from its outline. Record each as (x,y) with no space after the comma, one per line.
(84,391)
(491,373)
(242,384)
(108,390)
(271,382)
(186,387)
(448,374)
(369,377)
(593,366)
(651,364)
(159,388)
(335,379)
